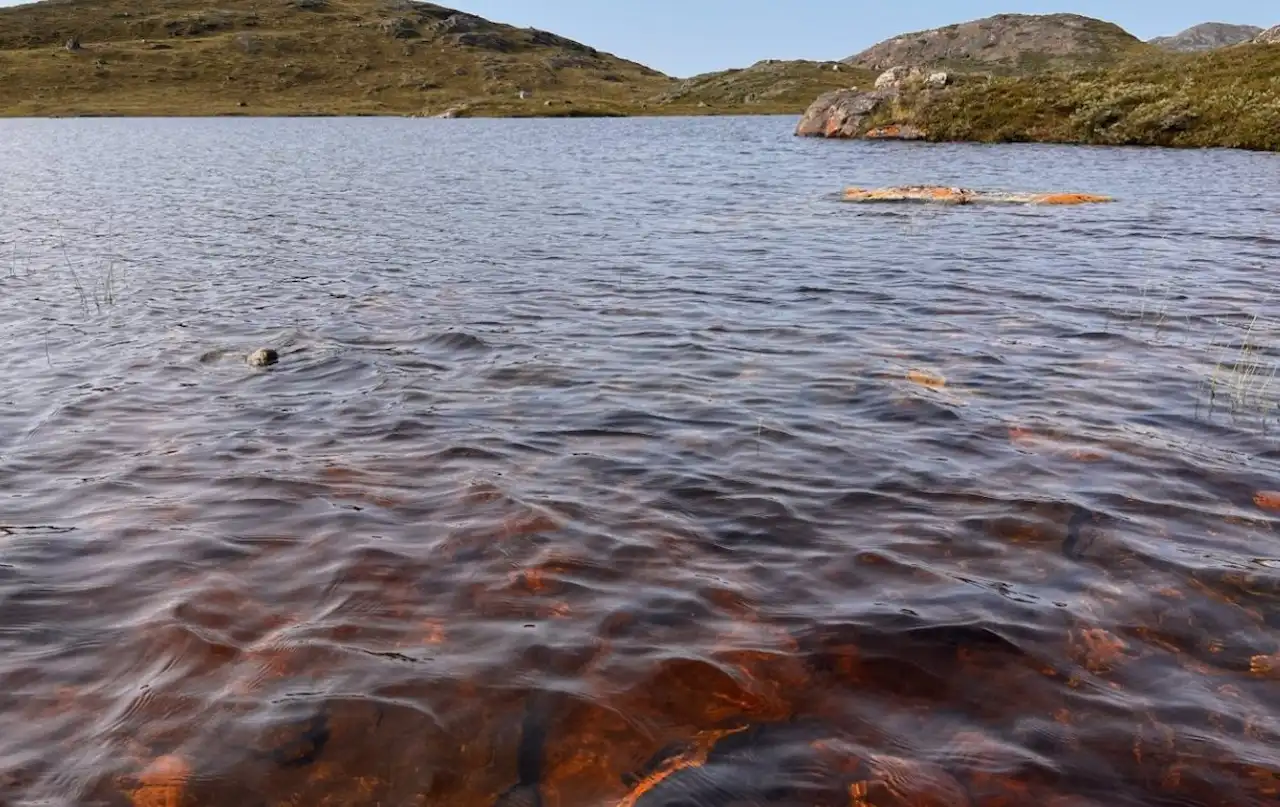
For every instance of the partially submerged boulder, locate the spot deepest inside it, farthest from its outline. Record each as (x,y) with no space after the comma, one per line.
(842,113)
(263,357)
(940,194)
(852,113)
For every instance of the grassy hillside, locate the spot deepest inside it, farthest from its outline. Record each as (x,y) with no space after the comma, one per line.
(181,57)
(267,57)
(1228,97)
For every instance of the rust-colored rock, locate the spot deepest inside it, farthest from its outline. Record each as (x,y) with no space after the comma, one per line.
(900,782)
(925,378)
(896,131)
(1266,666)
(695,756)
(1267,499)
(938,194)
(161,784)
(1098,650)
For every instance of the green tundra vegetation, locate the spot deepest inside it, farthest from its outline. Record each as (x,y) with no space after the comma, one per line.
(1228,97)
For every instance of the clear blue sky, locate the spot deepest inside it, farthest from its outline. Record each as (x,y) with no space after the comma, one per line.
(685,37)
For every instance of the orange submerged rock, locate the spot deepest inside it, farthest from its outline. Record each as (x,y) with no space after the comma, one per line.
(161,783)
(939,194)
(926,379)
(1267,499)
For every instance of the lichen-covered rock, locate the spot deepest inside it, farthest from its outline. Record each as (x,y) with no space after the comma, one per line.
(937,80)
(892,77)
(461,23)
(399,28)
(842,113)
(896,131)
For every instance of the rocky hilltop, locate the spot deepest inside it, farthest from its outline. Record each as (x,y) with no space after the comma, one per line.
(260,57)
(1008,42)
(1207,36)
(1271,36)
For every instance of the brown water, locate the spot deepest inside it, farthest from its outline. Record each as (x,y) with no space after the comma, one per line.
(618,463)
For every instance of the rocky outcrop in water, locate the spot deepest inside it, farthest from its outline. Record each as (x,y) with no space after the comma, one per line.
(842,113)
(1207,36)
(852,113)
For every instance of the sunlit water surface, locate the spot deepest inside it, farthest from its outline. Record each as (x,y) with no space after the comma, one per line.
(620,463)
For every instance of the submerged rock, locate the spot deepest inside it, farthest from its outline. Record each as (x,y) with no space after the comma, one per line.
(263,357)
(938,194)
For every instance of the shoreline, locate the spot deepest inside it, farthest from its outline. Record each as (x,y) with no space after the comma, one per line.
(617,115)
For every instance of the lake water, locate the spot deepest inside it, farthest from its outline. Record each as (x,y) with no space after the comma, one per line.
(618,462)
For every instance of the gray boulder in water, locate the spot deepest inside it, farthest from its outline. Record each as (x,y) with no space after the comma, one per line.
(263,357)
(842,113)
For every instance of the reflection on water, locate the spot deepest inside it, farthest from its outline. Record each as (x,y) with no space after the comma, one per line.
(618,463)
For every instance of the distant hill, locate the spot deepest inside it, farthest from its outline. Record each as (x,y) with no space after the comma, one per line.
(298,57)
(1006,42)
(1207,36)
(1271,36)
(772,85)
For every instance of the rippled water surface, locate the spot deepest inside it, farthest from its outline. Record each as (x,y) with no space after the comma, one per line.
(620,463)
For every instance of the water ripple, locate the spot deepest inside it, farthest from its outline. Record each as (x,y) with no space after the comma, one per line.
(617,462)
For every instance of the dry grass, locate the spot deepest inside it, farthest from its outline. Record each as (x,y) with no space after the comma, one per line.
(1243,380)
